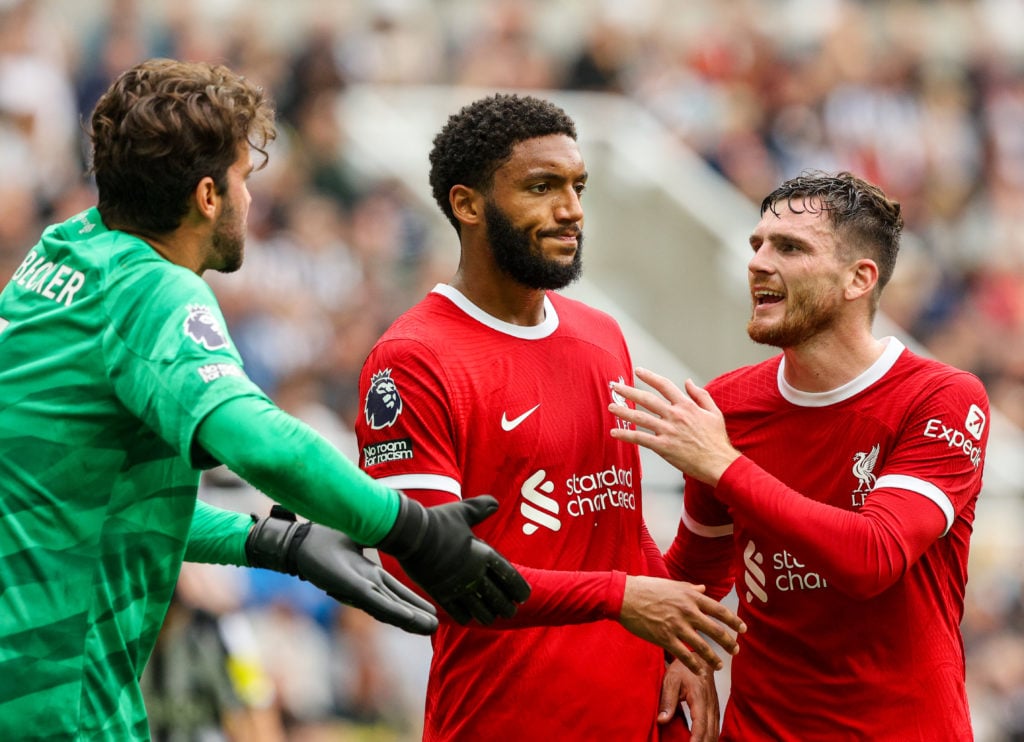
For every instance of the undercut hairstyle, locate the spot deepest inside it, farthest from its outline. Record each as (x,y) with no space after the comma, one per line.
(163,126)
(868,222)
(479,139)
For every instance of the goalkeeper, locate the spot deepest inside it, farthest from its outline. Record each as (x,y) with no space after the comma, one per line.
(119,383)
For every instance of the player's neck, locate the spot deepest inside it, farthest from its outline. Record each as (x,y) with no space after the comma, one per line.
(502,299)
(172,247)
(828,361)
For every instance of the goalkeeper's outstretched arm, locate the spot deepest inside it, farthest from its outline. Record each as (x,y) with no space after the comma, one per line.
(297,467)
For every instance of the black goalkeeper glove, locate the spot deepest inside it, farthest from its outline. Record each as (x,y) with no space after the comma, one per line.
(334,563)
(437,549)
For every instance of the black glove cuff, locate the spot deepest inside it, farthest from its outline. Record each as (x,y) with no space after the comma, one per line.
(273,542)
(406,535)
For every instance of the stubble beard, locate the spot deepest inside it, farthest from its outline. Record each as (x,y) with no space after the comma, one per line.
(804,318)
(228,241)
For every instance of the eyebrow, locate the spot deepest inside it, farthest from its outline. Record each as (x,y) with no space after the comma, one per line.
(773,236)
(544,174)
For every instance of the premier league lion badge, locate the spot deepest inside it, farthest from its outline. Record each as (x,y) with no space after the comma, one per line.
(383,402)
(202,326)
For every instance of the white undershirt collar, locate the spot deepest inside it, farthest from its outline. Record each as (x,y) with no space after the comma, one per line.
(533,332)
(873,373)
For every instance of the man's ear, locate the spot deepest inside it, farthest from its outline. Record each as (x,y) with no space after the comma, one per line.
(863,278)
(206,198)
(467,204)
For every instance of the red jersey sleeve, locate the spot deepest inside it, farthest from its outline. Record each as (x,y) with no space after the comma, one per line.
(701,552)
(861,553)
(940,454)
(557,597)
(405,427)
(653,558)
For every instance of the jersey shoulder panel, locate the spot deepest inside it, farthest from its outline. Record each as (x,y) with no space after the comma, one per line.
(575,315)
(747,386)
(928,373)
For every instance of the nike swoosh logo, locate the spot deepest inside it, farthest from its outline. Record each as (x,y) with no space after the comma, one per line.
(507,424)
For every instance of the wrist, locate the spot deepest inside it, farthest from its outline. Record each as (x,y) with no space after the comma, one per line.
(407,532)
(717,466)
(722,484)
(615,595)
(273,541)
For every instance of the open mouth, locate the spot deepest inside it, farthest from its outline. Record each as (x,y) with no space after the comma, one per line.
(763,297)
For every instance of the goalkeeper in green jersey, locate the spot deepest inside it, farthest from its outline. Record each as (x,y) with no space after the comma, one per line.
(119,383)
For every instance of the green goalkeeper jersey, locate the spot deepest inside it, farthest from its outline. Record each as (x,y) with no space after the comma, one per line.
(110,357)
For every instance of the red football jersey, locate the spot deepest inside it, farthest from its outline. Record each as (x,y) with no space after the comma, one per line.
(461,403)
(846,524)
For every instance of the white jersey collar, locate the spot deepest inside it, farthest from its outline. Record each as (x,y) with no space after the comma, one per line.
(533,332)
(873,373)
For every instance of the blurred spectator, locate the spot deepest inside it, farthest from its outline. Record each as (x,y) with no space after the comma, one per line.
(502,50)
(206,679)
(600,63)
(394,41)
(38,118)
(314,71)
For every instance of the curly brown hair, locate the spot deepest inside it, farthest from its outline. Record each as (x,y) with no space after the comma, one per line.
(478,139)
(163,126)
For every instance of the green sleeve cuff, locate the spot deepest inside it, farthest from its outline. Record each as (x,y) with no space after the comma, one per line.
(217,536)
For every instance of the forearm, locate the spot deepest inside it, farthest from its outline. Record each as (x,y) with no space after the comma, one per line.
(861,553)
(560,598)
(217,536)
(702,551)
(297,467)
(557,598)
(702,561)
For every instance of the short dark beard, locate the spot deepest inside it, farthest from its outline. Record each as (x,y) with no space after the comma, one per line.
(228,241)
(512,250)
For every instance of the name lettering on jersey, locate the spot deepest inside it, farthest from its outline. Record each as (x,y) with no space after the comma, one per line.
(583,495)
(383,403)
(213,371)
(955,438)
(55,281)
(863,468)
(785,573)
(202,326)
(380,453)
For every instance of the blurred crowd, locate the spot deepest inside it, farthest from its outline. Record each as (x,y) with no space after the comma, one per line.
(926,98)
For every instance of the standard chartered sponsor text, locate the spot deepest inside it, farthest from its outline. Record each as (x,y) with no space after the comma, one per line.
(590,493)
